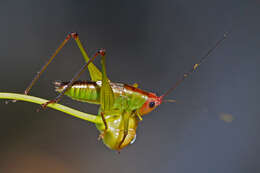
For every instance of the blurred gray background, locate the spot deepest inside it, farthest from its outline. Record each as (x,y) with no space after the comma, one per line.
(213,127)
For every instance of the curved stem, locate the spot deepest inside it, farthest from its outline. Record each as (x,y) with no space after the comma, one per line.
(85,116)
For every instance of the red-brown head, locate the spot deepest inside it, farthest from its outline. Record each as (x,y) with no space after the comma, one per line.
(153,101)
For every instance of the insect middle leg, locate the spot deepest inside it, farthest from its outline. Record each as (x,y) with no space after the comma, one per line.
(106,96)
(102,134)
(125,117)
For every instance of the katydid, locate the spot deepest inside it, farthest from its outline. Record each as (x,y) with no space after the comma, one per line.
(121,106)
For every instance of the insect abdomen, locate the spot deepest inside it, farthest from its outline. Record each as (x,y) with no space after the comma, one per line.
(81,90)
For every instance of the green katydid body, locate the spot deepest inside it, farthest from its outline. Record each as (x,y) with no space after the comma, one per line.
(121,105)
(126,97)
(129,103)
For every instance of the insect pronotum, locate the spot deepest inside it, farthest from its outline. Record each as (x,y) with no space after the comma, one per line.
(121,105)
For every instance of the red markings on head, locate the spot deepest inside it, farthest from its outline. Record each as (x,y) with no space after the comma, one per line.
(152,102)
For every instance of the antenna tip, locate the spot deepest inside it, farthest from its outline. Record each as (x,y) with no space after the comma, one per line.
(226,34)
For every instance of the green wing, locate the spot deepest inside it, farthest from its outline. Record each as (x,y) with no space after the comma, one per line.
(106,94)
(94,72)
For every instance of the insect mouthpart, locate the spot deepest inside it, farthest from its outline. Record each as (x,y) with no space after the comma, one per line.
(170,101)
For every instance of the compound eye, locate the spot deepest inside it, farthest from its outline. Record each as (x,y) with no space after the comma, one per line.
(151,104)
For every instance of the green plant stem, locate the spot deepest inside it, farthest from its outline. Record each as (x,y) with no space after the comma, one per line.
(88,117)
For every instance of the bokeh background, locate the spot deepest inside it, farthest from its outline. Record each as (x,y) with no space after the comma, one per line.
(213,127)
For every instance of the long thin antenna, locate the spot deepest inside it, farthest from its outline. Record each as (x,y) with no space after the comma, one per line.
(195,66)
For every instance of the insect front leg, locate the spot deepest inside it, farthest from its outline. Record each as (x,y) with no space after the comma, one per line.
(102,134)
